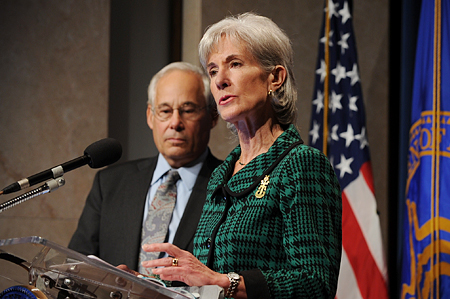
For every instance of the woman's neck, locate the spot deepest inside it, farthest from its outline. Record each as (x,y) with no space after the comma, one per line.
(254,142)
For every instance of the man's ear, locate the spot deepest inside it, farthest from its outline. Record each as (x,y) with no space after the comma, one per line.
(214,117)
(214,120)
(277,77)
(150,116)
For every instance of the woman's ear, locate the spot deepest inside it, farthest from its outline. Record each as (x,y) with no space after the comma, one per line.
(277,77)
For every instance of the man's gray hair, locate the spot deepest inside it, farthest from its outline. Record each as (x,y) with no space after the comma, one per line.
(181,66)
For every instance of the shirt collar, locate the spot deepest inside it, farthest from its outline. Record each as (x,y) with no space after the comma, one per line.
(188,174)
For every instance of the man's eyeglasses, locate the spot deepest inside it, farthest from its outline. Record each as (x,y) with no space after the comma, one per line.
(187,111)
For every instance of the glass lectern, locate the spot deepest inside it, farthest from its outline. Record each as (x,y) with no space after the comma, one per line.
(60,273)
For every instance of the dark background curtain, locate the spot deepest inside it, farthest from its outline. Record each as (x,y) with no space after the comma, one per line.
(145,36)
(404,21)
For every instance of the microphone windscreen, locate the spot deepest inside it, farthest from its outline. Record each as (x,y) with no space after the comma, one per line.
(103,152)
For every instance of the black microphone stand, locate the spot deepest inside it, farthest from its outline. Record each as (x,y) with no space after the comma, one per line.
(49,186)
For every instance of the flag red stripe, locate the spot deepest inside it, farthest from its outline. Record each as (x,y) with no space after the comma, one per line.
(370,279)
(366,170)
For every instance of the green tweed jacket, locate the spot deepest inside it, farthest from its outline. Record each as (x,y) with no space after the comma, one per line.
(282,233)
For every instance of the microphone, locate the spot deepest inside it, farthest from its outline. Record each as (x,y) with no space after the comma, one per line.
(98,154)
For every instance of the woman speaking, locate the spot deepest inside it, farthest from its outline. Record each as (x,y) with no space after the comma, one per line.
(271,225)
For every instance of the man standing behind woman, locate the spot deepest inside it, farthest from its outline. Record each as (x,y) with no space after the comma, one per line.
(181,114)
(271,224)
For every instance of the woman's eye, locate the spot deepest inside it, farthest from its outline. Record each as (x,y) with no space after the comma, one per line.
(212,73)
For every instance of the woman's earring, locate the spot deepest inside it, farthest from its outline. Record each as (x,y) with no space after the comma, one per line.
(270,93)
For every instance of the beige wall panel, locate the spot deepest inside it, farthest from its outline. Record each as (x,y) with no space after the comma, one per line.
(53,104)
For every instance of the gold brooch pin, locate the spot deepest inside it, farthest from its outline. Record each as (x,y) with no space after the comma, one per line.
(261,191)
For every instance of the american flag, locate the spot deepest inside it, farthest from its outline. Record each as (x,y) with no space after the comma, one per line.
(338,128)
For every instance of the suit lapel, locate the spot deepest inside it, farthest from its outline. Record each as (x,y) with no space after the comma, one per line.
(188,224)
(134,212)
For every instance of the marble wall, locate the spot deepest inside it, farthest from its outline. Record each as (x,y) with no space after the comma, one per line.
(53,104)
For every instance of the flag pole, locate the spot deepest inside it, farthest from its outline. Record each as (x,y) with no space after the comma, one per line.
(436,154)
(326,83)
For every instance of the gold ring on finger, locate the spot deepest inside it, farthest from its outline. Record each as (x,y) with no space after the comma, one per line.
(175,262)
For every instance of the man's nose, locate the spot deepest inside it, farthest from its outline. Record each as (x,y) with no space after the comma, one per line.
(176,121)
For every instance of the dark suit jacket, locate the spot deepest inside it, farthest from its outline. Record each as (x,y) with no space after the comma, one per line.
(111,223)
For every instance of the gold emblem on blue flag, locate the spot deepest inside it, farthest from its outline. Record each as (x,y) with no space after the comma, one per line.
(426,227)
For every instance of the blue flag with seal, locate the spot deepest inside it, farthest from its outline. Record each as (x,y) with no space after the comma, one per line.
(426,227)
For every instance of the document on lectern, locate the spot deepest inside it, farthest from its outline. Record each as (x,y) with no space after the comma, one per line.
(59,272)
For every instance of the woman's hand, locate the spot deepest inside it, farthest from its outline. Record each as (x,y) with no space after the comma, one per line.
(182,266)
(125,268)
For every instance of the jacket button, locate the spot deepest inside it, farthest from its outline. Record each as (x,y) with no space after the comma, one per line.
(208,243)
